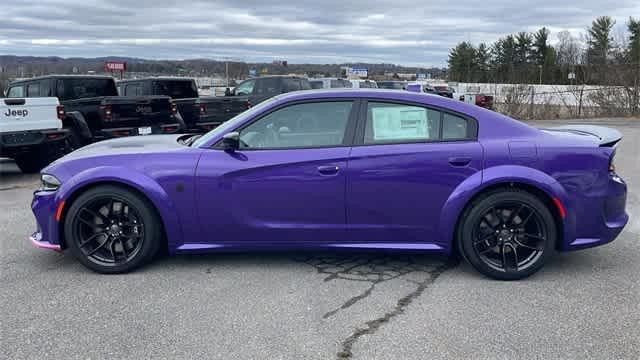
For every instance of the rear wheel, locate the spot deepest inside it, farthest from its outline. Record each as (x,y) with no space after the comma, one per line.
(111,230)
(507,234)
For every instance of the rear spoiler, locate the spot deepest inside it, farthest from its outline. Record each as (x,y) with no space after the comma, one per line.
(608,137)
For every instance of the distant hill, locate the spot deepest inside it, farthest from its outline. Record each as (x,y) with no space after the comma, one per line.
(27,66)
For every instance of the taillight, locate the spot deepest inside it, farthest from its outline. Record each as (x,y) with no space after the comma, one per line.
(173,108)
(106,110)
(612,165)
(203,109)
(170,129)
(60,112)
(248,104)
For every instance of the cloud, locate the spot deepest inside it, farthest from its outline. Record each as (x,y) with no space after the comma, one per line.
(407,32)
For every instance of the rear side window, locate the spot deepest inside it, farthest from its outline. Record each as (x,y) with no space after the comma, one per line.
(454,127)
(16,91)
(132,90)
(398,123)
(33,90)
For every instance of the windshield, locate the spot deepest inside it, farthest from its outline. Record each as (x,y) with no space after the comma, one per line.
(230,124)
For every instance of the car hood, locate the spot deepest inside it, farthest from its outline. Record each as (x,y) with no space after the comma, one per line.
(128,145)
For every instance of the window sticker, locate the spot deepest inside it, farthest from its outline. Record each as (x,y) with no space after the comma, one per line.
(393,122)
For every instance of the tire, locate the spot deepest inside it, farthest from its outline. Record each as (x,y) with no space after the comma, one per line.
(507,234)
(34,161)
(109,238)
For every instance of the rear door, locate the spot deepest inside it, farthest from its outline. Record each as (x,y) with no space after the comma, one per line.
(408,161)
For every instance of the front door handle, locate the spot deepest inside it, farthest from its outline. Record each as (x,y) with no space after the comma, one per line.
(328,170)
(459,160)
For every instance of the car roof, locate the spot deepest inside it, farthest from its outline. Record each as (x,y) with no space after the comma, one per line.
(62,76)
(173,78)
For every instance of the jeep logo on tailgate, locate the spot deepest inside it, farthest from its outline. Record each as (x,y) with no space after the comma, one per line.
(17,113)
(143,109)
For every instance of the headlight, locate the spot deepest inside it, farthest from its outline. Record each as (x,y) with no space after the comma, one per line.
(49,182)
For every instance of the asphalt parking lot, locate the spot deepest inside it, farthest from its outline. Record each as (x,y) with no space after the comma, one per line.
(318,305)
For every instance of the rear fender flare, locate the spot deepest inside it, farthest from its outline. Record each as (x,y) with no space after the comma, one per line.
(139,181)
(505,174)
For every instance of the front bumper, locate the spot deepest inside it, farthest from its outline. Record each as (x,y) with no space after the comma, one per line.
(44,206)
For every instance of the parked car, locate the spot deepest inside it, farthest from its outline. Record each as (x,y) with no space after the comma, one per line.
(198,113)
(329,83)
(95,111)
(442,90)
(31,131)
(392,85)
(485,101)
(363,84)
(305,170)
(262,88)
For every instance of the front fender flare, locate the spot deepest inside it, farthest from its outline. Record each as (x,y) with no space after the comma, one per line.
(504,174)
(137,180)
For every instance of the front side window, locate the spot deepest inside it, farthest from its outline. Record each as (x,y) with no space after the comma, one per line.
(290,84)
(16,91)
(397,123)
(317,124)
(245,88)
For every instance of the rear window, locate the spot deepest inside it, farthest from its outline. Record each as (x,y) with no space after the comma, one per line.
(177,89)
(86,88)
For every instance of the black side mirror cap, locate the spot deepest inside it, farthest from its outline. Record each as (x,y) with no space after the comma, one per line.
(231,141)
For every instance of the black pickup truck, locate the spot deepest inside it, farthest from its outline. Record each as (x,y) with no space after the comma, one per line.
(199,113)
(95,111)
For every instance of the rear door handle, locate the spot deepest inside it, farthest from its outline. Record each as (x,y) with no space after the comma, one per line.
(328,170)
(459,160)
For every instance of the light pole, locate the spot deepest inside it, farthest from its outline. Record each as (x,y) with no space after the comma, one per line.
(540,67)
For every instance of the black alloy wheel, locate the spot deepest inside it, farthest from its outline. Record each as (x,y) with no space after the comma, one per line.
(507,234)
(112,230)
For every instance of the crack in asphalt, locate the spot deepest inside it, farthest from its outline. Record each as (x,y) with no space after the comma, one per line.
(375,270)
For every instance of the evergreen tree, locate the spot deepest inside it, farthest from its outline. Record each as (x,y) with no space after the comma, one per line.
(600,40)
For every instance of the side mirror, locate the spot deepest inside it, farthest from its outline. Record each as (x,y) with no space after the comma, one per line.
(231,141)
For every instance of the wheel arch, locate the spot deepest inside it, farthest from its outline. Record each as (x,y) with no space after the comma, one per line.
(530,180)
(138,183)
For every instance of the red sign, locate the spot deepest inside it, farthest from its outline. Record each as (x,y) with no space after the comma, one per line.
(115,66)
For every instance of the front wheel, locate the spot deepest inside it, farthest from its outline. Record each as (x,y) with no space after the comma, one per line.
(111,230)
(507,234)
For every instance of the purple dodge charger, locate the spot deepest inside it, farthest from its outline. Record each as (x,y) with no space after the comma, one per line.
(365,169)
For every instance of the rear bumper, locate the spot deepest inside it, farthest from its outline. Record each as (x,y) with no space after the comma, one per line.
(110,133)
(603,217)
(12,143)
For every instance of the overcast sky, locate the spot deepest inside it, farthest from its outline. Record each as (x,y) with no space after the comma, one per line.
(417,32)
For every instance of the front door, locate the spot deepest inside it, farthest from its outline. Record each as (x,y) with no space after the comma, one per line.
(286,182)
(410,160)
